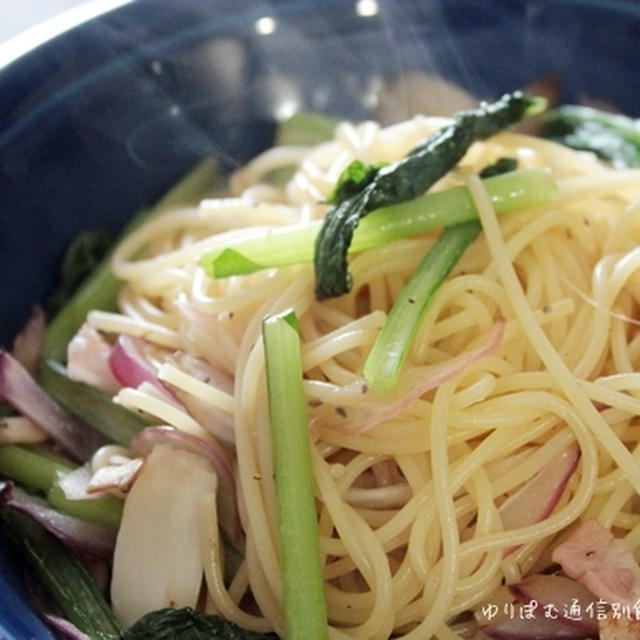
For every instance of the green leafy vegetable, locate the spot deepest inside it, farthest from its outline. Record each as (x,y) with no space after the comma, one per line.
(29,467)
(384,362)
(304,606)
(106,510)
(83,255)
(294,244)
(115,422)
(389,351)
(41,471)
(100,288)
(500,166)
(59,569)
(305,128)
(405,180)
(611,136)
(231,262)
(187,624)
(353,179)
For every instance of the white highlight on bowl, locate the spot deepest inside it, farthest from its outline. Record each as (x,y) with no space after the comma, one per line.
(37,35)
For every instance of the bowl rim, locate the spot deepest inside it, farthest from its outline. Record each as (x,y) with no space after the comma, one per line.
(37,35)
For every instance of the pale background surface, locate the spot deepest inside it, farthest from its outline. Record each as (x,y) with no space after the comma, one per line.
(18,15)
(26,24)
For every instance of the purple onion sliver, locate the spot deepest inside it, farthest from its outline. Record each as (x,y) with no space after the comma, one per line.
(534,628)
(554,593)
(131,368)
(21,391)
(84,537)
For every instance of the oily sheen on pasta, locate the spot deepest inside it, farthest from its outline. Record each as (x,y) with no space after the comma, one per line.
(410,506)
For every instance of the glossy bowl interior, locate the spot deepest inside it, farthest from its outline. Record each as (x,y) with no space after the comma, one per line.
(100,120)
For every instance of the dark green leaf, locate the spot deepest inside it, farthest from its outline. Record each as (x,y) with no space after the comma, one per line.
(83,255)
(187,624)
(500,166)
(405,180)
(612,137)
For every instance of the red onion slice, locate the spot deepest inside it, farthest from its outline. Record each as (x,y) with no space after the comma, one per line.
(28,398)
(85,537)
(354,409)
(536,628)
(229,516)
(537,498)
(131,368)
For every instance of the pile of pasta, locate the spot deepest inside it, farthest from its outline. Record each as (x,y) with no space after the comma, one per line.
(409,507)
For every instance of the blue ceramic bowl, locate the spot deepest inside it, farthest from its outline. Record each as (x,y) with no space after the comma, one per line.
(101,119)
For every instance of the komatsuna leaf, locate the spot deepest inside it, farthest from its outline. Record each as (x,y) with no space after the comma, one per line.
(187,624)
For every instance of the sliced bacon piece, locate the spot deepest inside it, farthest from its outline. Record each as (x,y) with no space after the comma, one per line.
(603,563)
(28,344)
(88,360)
(75,484)
(119,477)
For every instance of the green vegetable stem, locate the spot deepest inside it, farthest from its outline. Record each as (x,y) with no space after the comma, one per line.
(83,255)
(384,362)
(30,467)
(40,471)
(69,584)
(304,605)
(294,244)
(405,180)
(115,422)
(100,288)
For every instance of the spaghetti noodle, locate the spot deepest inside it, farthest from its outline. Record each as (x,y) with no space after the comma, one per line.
(410,506)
